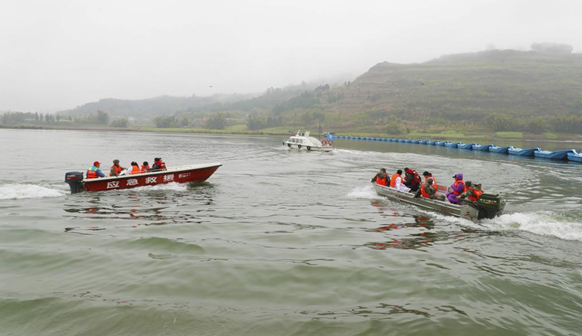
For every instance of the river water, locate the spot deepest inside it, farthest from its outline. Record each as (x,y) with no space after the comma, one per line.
(280,242)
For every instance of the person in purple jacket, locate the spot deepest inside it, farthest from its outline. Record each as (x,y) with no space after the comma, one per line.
(456,189)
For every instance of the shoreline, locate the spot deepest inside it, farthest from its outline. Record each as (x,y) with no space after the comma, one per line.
(484,137)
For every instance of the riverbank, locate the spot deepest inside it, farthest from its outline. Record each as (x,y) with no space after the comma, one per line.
(499,137)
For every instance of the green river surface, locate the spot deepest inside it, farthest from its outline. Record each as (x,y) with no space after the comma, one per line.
(281,242)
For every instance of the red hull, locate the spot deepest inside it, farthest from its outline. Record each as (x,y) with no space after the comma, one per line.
(194,173)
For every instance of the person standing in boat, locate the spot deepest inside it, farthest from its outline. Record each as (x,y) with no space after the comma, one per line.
(381,177)
(456,189)
(95,171)
(412,180)
(396,182)
(116,168)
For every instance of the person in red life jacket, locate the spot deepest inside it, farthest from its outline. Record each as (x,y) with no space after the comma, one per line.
(456,189)
(412,180)
(473,192)
(158,164)
(427,190)
(145,167)
(381,178)
(116,168)
(95,171)
(134,169)
(428,175)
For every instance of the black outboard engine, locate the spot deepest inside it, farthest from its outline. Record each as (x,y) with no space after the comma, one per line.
(489,206)
(75,181)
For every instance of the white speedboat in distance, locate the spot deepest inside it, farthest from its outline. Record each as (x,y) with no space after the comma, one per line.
(303,141)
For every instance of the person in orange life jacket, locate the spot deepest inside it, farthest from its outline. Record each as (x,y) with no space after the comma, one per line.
(95,171)
(456,189)
(158,164)
(134,169)
(426,190)
(381,178)
(396,182)
(473,192)
(145,167)
(116,168)
(428,175)
(412,180)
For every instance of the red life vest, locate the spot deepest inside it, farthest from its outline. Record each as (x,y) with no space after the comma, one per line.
(117,170)
(144,169)
(477,194)
(422,192)
(393,180)
(381,180)
(456,183)
(92,173)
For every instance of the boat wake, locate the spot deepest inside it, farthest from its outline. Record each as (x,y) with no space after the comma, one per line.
(366,192)
(26,191)
(546,223)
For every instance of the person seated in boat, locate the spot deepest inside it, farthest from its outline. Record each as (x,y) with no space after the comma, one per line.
(456,189)
(426,190)
(158,164)
(412,180)
(134,169)
(396,182)
(472,193)
(116,168)
(145,167)
(381,177)
(95,171)
(427,176)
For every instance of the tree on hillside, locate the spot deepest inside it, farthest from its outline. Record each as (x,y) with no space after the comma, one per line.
(255,123)
(121,123)
(552,48)
(102,117)
(216,121)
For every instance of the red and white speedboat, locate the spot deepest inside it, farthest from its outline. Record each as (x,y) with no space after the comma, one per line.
(181,174)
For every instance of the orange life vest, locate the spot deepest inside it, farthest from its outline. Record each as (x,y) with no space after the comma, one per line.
(92,173)
(456,183)
(135,170)
(434,182)
(423,192)
(393,180)
(144,169)
(117,170)
(477,194)
(381,180)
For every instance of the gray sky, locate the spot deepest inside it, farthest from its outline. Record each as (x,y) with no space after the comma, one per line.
(59,54)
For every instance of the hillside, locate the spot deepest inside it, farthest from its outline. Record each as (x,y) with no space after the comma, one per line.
(463,88)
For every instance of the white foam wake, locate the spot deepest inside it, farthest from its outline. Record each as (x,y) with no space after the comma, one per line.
(366,192)
(24,191)
(545,223)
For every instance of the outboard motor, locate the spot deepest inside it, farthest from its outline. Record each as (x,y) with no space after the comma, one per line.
(489,206)
(75,181)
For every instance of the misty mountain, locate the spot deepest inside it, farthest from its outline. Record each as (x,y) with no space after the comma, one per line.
(152,107)
(464,87)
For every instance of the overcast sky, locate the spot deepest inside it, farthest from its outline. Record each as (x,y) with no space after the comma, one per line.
(59,54)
